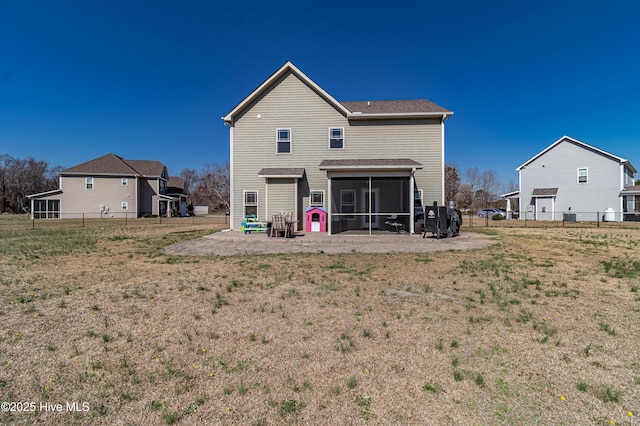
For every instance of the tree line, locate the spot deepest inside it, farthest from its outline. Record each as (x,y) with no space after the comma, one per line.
(209,186)
(476,190)
(22,177)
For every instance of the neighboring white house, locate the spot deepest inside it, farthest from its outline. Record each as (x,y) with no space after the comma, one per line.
(570,180)
(293,146)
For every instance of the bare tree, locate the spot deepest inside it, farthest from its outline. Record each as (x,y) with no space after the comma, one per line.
(213,186)
(464,197)
(191,178)
(511,186)
(451,182)
(5,163)
(489,185)
(20,178)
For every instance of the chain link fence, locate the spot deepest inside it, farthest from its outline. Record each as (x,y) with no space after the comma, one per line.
(606,218)
(95,220)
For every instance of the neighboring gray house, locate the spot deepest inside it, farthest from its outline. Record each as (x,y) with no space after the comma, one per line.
(110,186)
(570,180)
(293,146)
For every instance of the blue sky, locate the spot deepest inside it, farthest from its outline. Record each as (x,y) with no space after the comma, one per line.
(151,79)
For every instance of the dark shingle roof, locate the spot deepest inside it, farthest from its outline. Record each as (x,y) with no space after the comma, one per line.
(370,163)
(147,167)
(281,172)
(112,164)
(544,192)
(175,184)
(395,107)
(107,164)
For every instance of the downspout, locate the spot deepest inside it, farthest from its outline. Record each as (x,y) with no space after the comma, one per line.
(329,206)
(412,184)
(444,117)
(369,207)
(621,197)
(136,197)
(232,198)
(266,201)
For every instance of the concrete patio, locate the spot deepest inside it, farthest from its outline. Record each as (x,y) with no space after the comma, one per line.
(229,243)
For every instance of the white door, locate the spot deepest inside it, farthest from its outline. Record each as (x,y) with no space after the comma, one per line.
(370,199)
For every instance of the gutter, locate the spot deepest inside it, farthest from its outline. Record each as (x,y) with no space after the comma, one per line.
(379,116)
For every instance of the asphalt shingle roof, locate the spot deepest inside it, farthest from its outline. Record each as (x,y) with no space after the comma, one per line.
(542,192)
(111,164)
(282,171)
(395,107)
(370,163)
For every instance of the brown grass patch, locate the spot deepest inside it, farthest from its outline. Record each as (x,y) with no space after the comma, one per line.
(535,329)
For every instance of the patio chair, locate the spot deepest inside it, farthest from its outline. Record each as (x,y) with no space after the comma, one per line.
(279,225)
(393,224)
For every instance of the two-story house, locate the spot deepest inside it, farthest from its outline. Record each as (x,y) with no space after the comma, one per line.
(570,180)
(110,186)
(293,146)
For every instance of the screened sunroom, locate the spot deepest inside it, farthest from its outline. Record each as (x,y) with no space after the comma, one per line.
(371,196)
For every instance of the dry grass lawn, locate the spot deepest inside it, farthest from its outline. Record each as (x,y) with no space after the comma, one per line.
(539,328)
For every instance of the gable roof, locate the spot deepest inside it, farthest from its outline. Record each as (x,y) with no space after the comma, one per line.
(568,139)
(107,164)
(111,164)
(176,183)
(352,110)
(151,168)
(287,67)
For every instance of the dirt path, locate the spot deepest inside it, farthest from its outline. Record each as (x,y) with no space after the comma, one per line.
(233,243)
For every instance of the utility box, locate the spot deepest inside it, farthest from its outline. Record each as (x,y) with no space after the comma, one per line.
(609,215)
(316,219)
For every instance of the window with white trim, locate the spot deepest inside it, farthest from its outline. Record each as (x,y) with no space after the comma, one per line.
(283,141)
(124,182)
(316,198)
(336,138)
(583,175)
(125,205)
(88,183)
(250,206)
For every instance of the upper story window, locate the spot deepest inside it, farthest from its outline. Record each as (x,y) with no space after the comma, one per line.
(124,182)
(583,175)
(88,183)
(163,186)
(316,199)
(336,138)
(284,141)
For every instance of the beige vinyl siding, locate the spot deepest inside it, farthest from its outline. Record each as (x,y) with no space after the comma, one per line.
(147,196)
(281,194)
(75,200)
(290,103)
